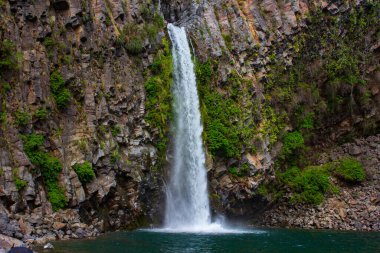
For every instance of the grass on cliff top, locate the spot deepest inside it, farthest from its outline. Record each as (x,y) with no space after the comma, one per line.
(49,166)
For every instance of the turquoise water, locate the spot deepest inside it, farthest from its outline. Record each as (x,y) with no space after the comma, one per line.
(260,241)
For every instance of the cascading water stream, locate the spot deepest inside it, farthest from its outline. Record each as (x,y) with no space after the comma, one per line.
(187,204)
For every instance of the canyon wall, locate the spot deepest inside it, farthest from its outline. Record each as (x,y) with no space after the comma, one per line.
(89,81)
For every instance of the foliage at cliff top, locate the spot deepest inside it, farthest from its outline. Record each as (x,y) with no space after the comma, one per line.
(49,166)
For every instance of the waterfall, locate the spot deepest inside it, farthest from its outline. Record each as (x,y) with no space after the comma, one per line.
(187,204)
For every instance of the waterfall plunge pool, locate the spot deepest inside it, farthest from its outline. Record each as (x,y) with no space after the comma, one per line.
(248,241)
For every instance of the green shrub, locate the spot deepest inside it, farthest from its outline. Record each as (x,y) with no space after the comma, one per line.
(221,133)
(228,40)
(227,116)
(20,184)
(49,43)
(239,172)
(350,170)
(41,114)
(8,56)
(5,86)
(292,142)
(60,93)
(115,157)
(308,122)
(204,72)
(85,172)
(56,197)
(49,166)
(22,118)
(115,130)
(134,46)
(309,185)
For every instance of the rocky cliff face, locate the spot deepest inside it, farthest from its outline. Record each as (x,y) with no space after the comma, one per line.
(101,121)
(253,48)
(87,79)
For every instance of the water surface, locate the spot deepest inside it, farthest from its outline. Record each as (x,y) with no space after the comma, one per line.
(260,241)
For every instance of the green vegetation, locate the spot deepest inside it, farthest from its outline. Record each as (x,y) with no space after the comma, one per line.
(312,183)
(228,40)
(309,185)
(8,56)
(158,96)
(49,166)
(327,75)
(350,169)
(60,93)
(50,44)
(239,172)
(133,35)
(115,156)
(22,118)
(41,114)
(20,184)
(324,86)
(8,62)
(85,172)
(221,134)
(293,144)
(134,46)
(225,114)
(115,130)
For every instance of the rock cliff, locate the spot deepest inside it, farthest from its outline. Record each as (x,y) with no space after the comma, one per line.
(89,82)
